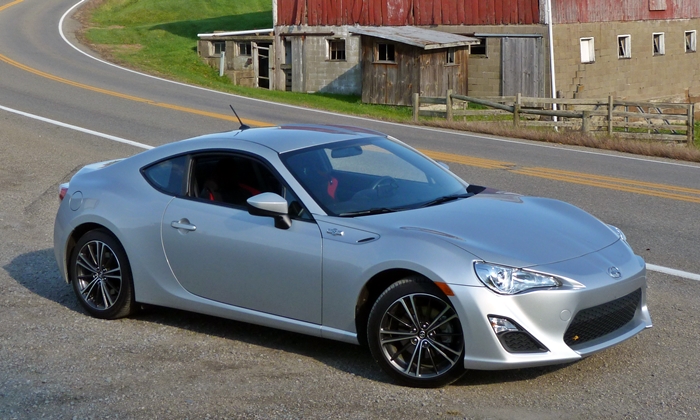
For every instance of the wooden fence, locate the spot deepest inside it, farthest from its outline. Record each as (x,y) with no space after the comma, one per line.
(649,120)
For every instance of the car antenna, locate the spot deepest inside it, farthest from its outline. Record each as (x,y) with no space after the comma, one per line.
(243,126)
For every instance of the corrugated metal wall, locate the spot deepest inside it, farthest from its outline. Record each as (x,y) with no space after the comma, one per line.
(588,11)
(407,12)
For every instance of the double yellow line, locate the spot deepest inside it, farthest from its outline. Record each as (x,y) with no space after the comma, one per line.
(672,192)
(619,184)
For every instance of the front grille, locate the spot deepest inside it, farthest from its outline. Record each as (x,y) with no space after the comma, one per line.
(597,321)
(520,342)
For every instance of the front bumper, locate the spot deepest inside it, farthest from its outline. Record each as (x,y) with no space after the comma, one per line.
(546,315)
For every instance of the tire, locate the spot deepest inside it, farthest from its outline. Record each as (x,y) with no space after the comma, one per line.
(415,335)
(101,276)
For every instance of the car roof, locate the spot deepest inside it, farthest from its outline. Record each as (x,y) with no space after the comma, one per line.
(285,138)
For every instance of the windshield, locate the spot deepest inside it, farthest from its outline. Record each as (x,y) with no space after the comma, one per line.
(371,175)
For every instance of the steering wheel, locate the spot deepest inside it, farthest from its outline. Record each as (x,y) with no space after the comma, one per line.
(385,186)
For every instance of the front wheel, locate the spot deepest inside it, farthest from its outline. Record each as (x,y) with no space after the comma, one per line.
(415,335)
(101,276)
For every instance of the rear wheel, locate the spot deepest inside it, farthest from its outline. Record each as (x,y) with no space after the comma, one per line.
(415,335)
(101,276)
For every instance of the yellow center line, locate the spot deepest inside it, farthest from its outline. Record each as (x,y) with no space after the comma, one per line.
(129,97)
(10,4)
(623,184)
(618,184)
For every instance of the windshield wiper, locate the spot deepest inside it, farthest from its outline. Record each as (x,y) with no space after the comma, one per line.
(446,198)
(376,210)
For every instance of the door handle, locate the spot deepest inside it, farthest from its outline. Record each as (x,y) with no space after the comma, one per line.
(183,224)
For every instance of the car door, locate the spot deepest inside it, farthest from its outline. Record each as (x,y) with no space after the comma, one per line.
(218,251)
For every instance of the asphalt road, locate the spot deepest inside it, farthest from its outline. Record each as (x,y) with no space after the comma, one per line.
(56,362)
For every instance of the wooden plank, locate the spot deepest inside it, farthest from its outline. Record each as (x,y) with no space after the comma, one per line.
(357,8)
(475,13)
(535,6)
(461,10)
(434,100)
(441,114)
(498,12)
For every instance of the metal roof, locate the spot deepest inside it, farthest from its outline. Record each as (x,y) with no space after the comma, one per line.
(426,39)
(238,33)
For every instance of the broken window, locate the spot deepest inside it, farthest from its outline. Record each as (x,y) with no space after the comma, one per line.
(478,49)
(336,49)
(450,56)
(624,46)
(587,50)
(245,48)
(658,44)
(691,42)
(385,52)
(216,48)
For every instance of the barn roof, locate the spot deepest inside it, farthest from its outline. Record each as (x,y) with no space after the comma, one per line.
(417,37)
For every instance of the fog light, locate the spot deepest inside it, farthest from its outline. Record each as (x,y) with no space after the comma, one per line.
(501,325)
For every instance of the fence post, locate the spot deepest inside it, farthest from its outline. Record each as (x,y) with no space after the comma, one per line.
(516,111)
(611,106)
(448,104)
(585,121)
(222,64)
(416,106)
(691,124)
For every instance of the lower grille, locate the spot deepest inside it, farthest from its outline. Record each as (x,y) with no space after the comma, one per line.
(597,321)
(520,342)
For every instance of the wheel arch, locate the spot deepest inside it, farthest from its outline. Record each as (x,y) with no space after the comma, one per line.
(371,291)
(75,236)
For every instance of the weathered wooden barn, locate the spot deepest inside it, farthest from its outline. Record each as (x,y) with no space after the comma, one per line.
(641,49)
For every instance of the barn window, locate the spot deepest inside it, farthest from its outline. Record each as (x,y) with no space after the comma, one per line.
(624,46)
(587,50)
(450,56)
(216,48)
(658,43)
(691,41)
(385,52)
(245,48)
(336,49)
(478,49)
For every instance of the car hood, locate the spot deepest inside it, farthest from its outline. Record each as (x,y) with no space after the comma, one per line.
(504,228)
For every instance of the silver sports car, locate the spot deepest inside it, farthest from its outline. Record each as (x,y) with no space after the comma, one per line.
(351,235)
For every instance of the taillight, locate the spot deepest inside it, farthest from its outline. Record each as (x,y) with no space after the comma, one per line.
(62,190)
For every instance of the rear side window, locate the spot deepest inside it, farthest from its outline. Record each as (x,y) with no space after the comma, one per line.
(167,176)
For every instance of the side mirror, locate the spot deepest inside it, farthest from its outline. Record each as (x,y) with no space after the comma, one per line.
(444,165)
(270,205)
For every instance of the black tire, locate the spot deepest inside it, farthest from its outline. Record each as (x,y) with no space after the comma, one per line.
(415,335)
(101,276)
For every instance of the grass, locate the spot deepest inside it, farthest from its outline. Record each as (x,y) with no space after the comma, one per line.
(160,36)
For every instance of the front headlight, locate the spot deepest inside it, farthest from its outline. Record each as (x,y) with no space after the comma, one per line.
(509,280)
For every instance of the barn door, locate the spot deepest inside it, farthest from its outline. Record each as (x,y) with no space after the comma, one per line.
(262,65)
(522,64)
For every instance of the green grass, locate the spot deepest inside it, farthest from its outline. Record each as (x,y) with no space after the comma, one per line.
(160,37)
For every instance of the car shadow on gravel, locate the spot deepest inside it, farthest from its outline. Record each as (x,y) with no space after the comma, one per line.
(37,272)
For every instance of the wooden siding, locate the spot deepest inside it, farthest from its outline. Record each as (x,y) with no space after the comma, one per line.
(589,11)
(407,12)
(414,70)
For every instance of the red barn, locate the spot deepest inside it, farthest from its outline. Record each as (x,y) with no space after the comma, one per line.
(635,49)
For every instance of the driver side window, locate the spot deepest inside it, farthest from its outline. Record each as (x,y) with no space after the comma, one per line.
(230,179)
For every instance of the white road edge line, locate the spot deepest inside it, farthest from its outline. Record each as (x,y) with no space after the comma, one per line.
(76,128)
(416,127)
(673,272)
